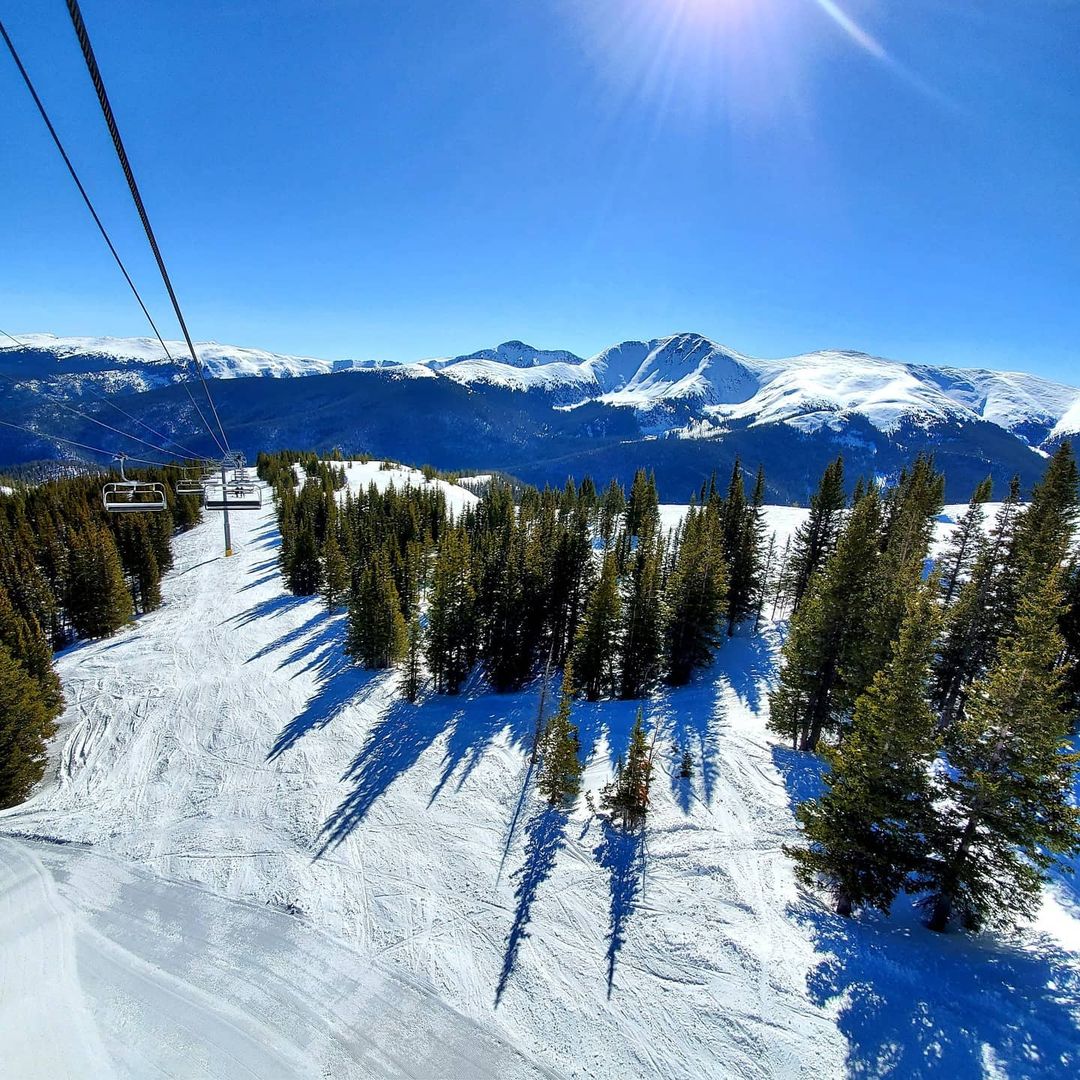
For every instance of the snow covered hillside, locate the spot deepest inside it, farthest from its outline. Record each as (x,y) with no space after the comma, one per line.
(253,859)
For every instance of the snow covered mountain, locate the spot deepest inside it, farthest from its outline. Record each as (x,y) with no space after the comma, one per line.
(683,387)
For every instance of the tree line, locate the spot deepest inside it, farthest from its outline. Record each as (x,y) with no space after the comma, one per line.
(941,695)
(526,581)
(68,570)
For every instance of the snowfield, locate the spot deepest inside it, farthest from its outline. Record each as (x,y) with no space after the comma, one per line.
(252,859)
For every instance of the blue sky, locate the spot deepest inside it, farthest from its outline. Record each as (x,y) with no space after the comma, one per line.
(360,179)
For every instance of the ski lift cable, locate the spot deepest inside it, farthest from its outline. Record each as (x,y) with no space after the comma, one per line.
(83,446)
(100,423)
(97,221)
(112,405)
(118,144)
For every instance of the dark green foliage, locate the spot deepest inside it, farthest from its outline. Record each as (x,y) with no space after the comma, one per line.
(377,636)
(695,595)
(303,572)
(966,543)
(25,725)
(1005,808)
(866,835)
(626,797)
(816,537)
(829,632)
(98,600)
(452,637)
(413,660)
(559,777)
(595,649)
(335,574)
(641,653)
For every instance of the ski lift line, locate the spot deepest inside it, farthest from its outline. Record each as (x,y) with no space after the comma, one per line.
(100,423)
(112,405)
(97,221)
(83,446)
(110,120)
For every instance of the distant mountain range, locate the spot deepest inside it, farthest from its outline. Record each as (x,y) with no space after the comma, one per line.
(683,405)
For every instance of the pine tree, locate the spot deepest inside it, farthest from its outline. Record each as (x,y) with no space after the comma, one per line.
(413,671)
(25,726)
(642,509)
(816,537)
(740,547)
(694,597)
(642,646)
(596,647)
(303,570)
(866,833)
(335,573)
(965,543)
(559,777)
(28,645)
(832,624)
(452,624)
(377,635)
(98,599)
(1005,807)
(980,612)
(626,798)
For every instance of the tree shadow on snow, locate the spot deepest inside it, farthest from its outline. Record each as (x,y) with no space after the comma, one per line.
(320,643)
(546,834)
(480,718)
(802,774)
(393,746)
(747,662)
(915,1003)
(622,854)
(270,608)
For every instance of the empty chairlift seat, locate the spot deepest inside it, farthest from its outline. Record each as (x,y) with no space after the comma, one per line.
(133,496)
(236,495)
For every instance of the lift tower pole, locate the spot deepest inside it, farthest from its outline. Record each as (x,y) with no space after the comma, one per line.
(225,511)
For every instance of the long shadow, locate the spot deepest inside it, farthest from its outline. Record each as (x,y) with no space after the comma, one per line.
(546,833)
(622,854)
(914,1003)
(748,662)
(393,746)
(340,686)
(802,774)
(264,580)
(267,609)
(482,716)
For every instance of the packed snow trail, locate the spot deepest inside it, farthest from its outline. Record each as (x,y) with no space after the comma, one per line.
(225,766)
(111,971)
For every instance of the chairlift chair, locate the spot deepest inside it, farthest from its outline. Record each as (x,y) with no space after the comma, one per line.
(190,482)
(233,496)
(126,496)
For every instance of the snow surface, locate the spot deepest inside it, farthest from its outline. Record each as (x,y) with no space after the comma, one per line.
(273,866)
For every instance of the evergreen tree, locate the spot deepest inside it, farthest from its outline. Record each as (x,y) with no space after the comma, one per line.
(643,507)
(965,543)
(28,645)
(98,599)
(1005,807)
(866,833)
(695,594)
(833,623)
(816,537)
(413,657)
(612,506)
(377,635)
(981,610)
(303,570)
(452,624)
(335,573)
(626,797)
(642,646)
(1069,625)
(738,539)
(559,778)
(25,726)
(596,646)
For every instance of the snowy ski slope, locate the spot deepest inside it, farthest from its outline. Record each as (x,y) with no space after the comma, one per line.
(252,859)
